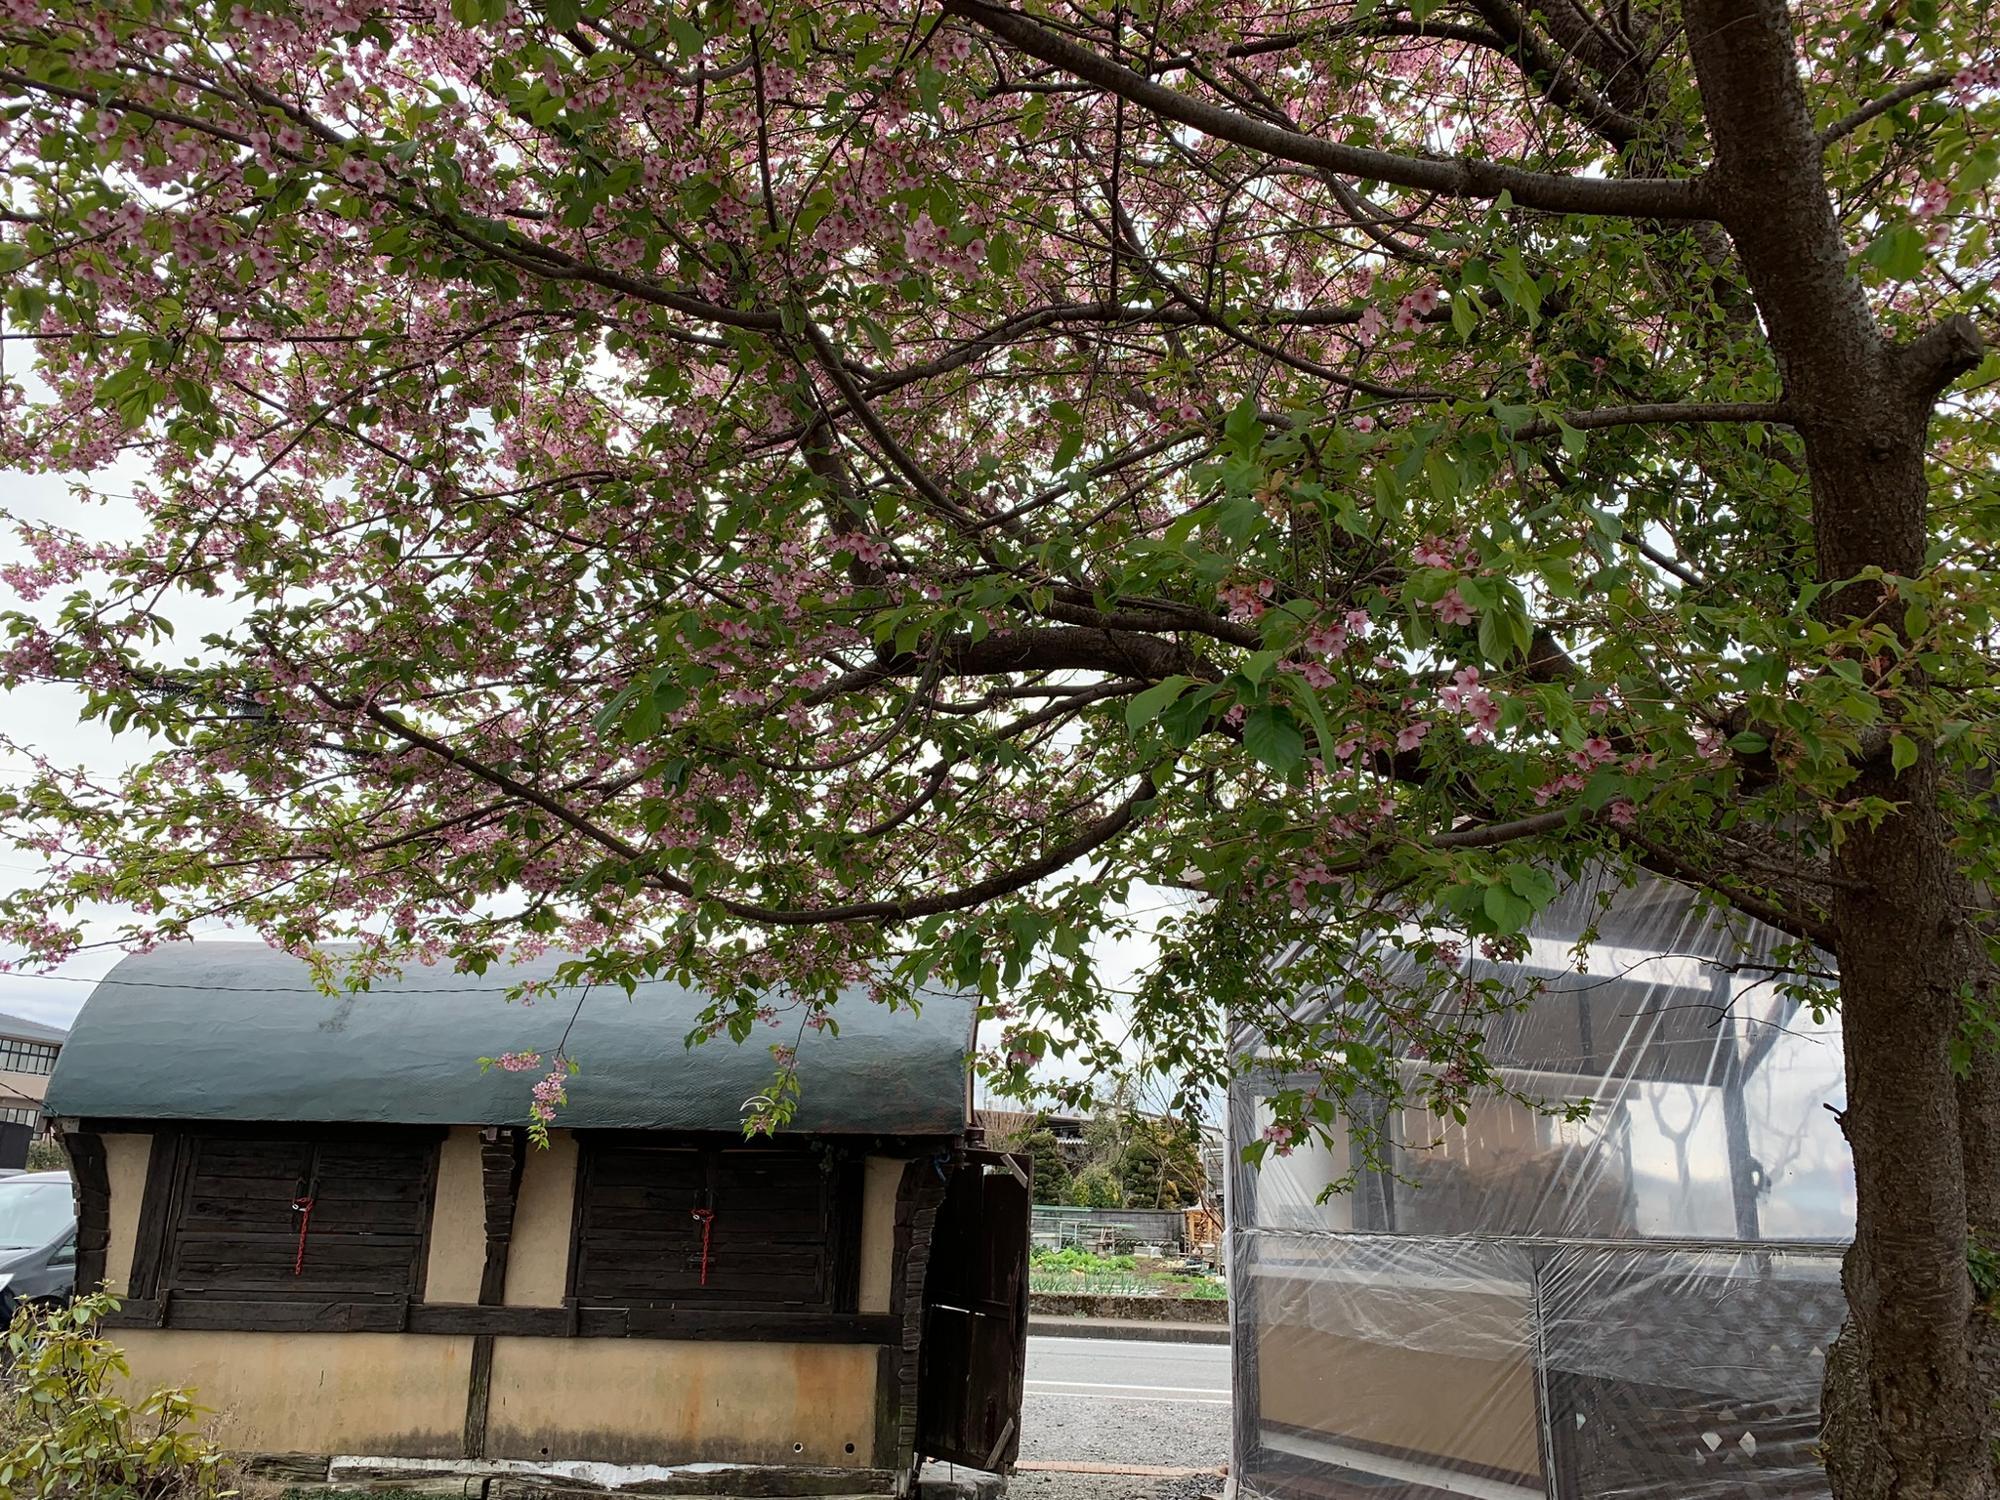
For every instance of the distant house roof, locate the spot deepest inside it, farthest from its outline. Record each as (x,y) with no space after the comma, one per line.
(1014,1124)
(21,1029)
(236,1031)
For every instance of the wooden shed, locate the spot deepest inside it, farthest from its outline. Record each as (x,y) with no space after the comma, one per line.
(322,1215)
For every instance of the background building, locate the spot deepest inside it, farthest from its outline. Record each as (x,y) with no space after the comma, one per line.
(28,1052)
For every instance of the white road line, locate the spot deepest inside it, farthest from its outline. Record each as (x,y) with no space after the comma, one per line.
(1114,1385)
(1130,1400)
(1159,1349)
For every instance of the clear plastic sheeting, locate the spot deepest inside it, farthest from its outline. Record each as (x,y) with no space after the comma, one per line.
(1689,1373)
(1635,1303)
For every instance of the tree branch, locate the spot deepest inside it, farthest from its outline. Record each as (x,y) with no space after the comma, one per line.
(1685,198)
(1519,45)
(1940,354)
(1660,413)
(1840,129)
(1066,648)
(1091,837)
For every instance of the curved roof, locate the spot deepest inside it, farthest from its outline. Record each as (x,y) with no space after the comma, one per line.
(236,1031)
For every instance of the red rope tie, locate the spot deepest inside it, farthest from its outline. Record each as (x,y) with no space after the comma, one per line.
(304,1207)
(707,1217)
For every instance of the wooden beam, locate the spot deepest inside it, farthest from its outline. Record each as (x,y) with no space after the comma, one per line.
(393,1315)
(502,1154)
(478,1393)
(918,1197)
(153,1241)
(90,1186)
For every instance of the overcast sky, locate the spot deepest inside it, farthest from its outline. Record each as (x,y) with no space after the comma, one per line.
(48,717)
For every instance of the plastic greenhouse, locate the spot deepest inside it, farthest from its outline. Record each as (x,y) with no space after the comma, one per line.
(1634,1305)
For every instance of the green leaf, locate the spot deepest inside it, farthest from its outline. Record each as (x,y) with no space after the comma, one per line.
(1272,735)
(1506,910)
(1242,430)
(1257,665)
(1187,716)
(1900,252)
(877,335)
(1322,729)
(1149,705)
(1068,448)
(1747,743)
(1532,884)
(1902,752)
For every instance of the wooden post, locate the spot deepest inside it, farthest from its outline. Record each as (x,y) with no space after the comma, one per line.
(502,1154)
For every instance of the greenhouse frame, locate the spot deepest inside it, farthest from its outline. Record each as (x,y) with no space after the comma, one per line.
(1632,1305)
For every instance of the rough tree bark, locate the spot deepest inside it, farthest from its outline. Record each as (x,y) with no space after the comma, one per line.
(1910,1397)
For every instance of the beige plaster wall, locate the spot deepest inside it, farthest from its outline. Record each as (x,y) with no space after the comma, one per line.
(880,1179)
(126,1158)
(666,1401)
(22,1088)
(538,1259)
(386,1393)
(458,1221)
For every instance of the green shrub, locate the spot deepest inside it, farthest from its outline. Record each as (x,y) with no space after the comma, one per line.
(70,1436)
(46,1154)
(1095,1187)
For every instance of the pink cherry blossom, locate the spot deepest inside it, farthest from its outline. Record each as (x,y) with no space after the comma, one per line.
(1452,609)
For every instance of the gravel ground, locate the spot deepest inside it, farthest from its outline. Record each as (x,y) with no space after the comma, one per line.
(1111,1401)
(1047,1485)
(1057,1428)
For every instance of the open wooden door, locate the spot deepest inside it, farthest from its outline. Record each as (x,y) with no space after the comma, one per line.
(975,1343)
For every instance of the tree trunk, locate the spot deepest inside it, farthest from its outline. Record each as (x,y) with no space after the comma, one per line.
(1910,1399)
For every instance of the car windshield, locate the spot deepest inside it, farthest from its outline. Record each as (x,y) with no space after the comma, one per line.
(33,1213)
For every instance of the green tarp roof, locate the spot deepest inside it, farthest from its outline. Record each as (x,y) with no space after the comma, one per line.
(236,1031)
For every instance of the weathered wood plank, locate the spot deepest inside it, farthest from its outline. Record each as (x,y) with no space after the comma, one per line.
(323,1314)
(231,1227)
(774,1237)
(918,1198)
(776,1326)
(153,1240)
(478,1393)
(304,1314)
(307,1466)
(90,1186)
(473,1318)
(502,1156)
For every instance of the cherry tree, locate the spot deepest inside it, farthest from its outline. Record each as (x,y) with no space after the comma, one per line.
(824,494)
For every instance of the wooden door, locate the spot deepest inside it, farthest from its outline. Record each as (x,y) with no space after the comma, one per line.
(975,1342)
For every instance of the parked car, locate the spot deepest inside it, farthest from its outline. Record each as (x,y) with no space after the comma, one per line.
(37,1240)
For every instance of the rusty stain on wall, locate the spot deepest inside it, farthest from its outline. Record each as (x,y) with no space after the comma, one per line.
(664,1402)
(313,1392)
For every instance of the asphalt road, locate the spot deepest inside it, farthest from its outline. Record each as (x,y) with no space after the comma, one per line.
(1110,1401)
